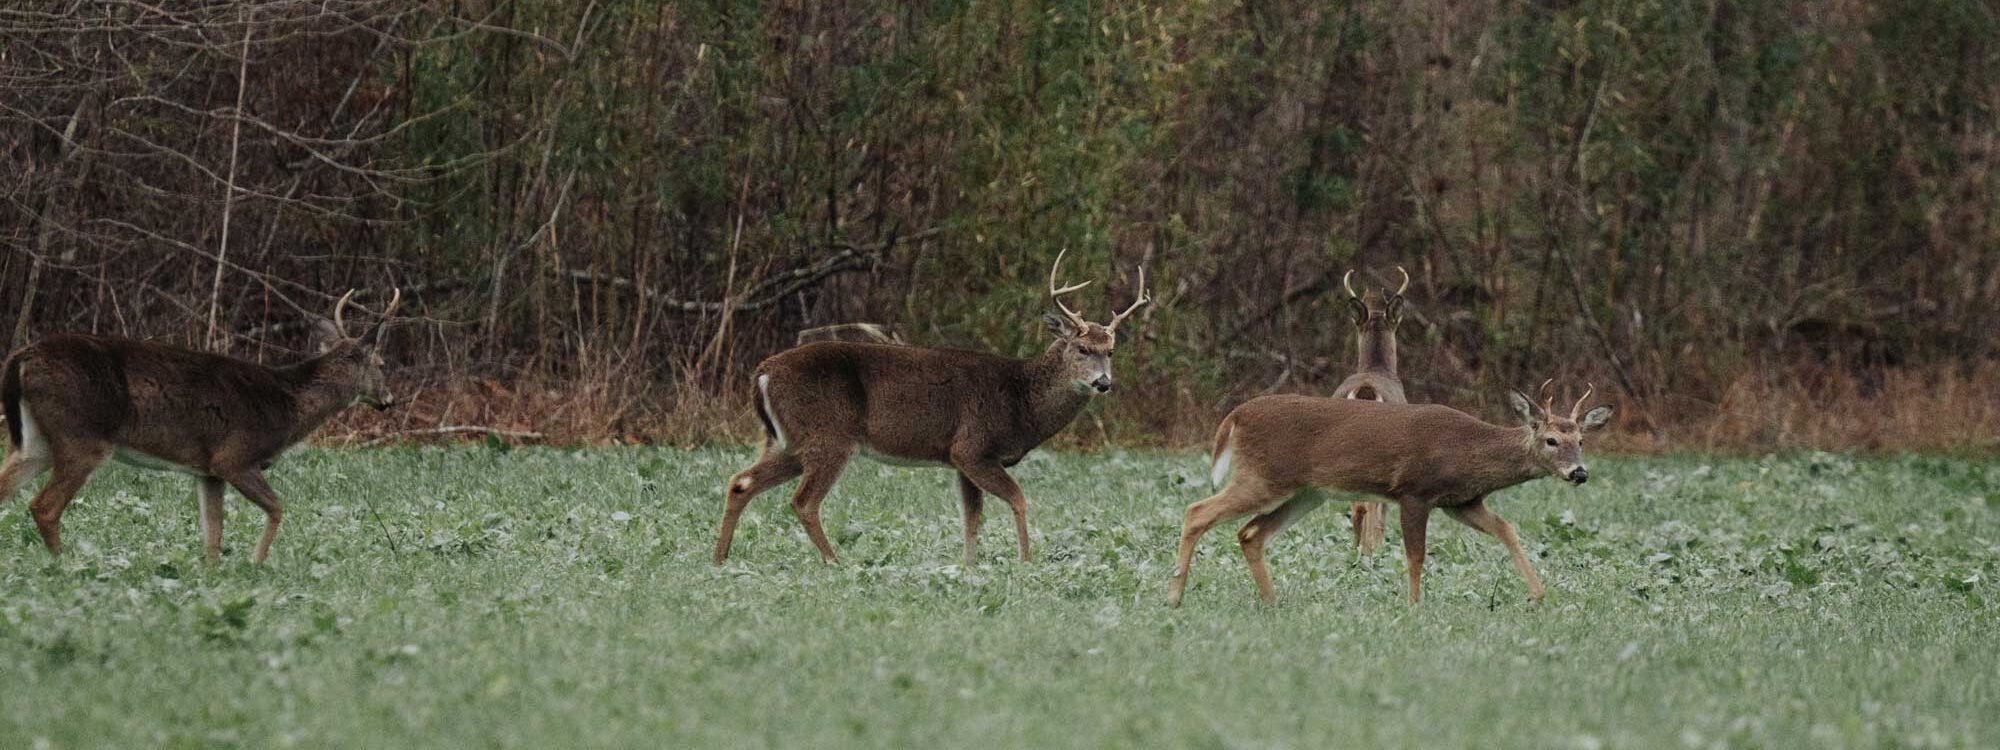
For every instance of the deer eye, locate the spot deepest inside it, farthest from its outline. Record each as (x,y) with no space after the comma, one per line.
(1551,442)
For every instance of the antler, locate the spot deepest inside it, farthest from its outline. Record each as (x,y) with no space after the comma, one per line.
(339,324)
(1056,294)
(1579,402)
(1548,401)
(395,301)
(1406,283)
(1143,299)
(1350,287)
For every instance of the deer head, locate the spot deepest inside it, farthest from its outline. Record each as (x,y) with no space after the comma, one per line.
(356,362)
(1085,347)
(1371,313)
(1556,442)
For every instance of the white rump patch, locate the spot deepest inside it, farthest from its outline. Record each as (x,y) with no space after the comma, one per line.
(1220,471)
(764,393)
(32,442)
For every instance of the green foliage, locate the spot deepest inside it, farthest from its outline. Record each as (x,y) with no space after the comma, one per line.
(547,597)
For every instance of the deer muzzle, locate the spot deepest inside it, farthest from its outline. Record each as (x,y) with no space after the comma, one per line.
(1102,384)
(1578,475)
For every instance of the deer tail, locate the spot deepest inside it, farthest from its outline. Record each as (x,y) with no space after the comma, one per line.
(10,397)
(1219,457)
(774,435)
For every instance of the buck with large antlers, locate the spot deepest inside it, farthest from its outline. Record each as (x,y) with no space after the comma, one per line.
(73,401)
(1283,450)
(1374,379)
(977,413)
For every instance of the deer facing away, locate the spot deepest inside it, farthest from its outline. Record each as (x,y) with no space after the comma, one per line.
(1284,449)
(73,401)
(1374,379)
(977,413)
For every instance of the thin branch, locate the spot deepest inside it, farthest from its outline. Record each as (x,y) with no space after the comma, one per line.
(229,192)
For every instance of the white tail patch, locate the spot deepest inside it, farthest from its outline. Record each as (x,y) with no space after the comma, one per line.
(764,393)
(1220,470)
(32,442)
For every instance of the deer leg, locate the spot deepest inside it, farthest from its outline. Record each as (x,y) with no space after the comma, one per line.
(993,479)
(971,503)
(770,470)
(819,476)
(17,469)
(72,468)
(1480,517)
(1259,530)
(1240,498)
(210,491)
(1369,527)
(251,483)
(1416,521)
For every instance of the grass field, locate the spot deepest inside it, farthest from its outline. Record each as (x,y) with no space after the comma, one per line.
(467,597)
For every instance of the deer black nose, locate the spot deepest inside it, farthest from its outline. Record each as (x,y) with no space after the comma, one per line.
(1579,475)
(1103,385)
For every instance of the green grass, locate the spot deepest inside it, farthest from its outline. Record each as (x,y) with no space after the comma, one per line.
(441,598)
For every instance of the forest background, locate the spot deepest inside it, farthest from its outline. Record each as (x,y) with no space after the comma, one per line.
(1754,225)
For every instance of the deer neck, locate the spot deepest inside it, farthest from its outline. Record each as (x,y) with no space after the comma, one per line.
(1503,457)
(316,396)
(1053,401)
(1377,350)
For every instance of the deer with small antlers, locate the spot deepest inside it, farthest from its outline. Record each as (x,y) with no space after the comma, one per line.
(1374,379)
(975,412)
(1279,452)
(74,400)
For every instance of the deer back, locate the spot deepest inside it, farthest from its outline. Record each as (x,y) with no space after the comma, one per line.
(173,404)
(1393,450)
(913,403)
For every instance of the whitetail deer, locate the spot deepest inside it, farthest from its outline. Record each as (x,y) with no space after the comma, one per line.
(975,412)
(1374,379)
(73,401)
(1283,450)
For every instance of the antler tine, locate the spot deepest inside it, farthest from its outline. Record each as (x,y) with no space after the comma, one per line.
(339,324)
(1592,388)
(1143,299)
(382,323)
(1350,287)
(1406,282)
(1056,294)
(1548,401)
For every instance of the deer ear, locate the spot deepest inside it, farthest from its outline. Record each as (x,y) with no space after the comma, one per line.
(1395,309)
(1596,418)
(325,336)
(1523,408)
(1359,309)
(1059,325)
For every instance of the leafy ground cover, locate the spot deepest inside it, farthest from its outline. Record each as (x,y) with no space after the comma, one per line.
(468,597)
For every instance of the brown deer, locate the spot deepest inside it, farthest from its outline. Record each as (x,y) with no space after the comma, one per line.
(1374,379)
(73,401)
(1284,450)
(977,413)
